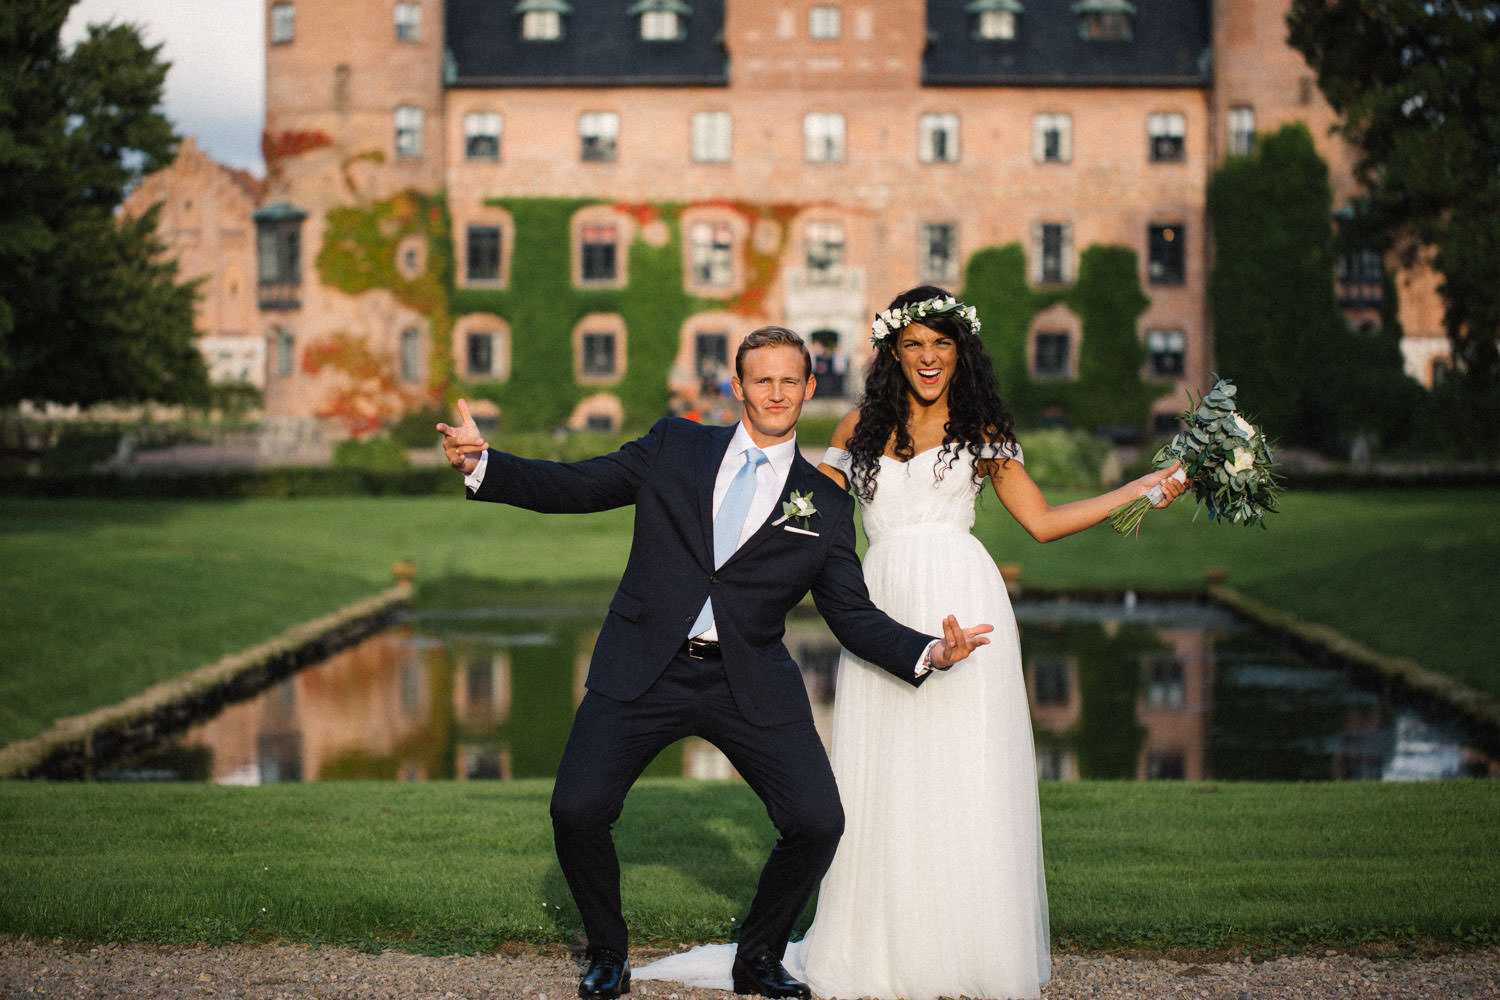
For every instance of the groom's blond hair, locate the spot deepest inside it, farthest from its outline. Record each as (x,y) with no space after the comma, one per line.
(771,336)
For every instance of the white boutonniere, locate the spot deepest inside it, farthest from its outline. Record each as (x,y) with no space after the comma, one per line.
(800,506)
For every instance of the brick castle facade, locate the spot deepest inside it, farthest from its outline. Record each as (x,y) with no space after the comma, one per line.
(574,210)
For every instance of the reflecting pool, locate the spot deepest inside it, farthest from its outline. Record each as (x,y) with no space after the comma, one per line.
(1119,689)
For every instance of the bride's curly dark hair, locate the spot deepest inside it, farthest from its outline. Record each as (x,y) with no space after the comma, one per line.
(976,414)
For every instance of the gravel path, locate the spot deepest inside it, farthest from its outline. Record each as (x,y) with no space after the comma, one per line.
(55,969)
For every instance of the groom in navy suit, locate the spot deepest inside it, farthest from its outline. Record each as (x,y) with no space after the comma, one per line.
(732,528)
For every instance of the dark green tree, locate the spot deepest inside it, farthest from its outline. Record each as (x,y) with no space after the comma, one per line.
(1417,83)
(1278,331)
(90,309)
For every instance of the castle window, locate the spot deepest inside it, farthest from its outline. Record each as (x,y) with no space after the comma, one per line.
(937,140)
(1241,131)
(1105,20)
(1165,256)
(598,253)
(661,20)
(1052,138)
(1361,280)
(479,352)
(710,353)
(278,244)
(482,135)
(599,348)
(411,355)
(712,135)
(1053,355)
(1052,253)
(483,253)
(408,22)
(283,352)
(283,23)
(409,132)
(711,245)
(994,20)
(542,20)
(1167,133)
(824,248)
(598,131)
(939,262)
(823,137)
(1166,351)
(599,359)
(825,22)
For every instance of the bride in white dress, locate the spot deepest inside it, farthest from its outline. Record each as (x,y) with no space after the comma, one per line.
(937,888)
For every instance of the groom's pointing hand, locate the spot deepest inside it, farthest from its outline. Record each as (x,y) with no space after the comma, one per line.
(958,642)
(462,445)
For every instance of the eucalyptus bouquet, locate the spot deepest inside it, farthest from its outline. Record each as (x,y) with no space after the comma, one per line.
(1225,459)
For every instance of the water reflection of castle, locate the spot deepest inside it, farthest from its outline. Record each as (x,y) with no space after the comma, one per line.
(1110,698)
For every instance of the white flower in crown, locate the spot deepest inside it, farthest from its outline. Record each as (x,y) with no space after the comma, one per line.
(895,318)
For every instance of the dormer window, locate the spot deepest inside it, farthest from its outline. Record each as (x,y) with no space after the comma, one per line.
(661,20)
(1105,20)
(542,20)
(994,20)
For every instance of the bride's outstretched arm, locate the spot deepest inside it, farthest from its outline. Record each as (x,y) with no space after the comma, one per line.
(1045,522)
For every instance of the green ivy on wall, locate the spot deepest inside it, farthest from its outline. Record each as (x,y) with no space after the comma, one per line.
(1108,300)
(542,306)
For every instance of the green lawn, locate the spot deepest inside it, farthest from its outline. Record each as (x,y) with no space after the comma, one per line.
(100,599)
(448,867)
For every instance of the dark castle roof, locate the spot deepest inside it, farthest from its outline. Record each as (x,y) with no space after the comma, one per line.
(1171,46)
(601,47)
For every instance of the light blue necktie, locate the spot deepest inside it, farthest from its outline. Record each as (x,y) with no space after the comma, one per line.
(729,522)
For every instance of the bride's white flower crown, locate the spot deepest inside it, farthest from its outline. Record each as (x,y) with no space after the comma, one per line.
(887,323)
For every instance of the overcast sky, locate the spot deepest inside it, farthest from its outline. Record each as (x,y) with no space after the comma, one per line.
(216,86)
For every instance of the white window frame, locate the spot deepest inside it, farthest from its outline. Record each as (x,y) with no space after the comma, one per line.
(661,26)
(824,246)
(1166,342)
(825,22)
(410,122)
(283,23)
(1049,267)
(933,127)
(1166,125)
(1045,125)
(713,136)
(411,354)
(995,26)
(599,136)
(939,268)
(1241,130)
(823,137)
(541,26)
(711,253)
(408,17)
(481,125)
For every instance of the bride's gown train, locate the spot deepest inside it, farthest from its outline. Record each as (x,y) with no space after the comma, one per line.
(937,888)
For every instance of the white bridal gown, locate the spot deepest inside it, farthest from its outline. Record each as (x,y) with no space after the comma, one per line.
(937,889)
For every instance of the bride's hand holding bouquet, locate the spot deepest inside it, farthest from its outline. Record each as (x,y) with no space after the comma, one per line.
(1225,459)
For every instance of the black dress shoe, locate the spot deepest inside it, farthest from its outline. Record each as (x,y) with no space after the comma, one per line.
(764,975)
(608,975)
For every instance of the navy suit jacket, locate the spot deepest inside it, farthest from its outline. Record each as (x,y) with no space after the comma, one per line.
(669,476)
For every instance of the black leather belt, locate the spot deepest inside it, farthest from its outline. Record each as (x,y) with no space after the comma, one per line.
(702,649)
